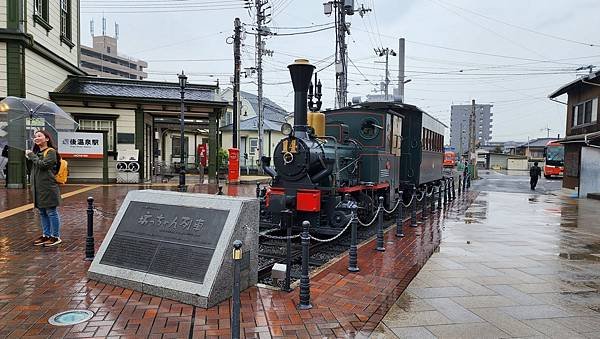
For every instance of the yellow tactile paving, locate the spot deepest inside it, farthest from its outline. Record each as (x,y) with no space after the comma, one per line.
(27,207)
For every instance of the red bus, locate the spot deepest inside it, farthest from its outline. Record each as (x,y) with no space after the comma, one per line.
(554,156)
(449,159)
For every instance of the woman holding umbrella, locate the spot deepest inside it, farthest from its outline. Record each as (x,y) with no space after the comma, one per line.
(46,194)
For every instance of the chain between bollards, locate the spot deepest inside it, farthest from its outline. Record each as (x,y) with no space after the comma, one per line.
(380,246)
(399,216)
(287,219)
(235,298)
(89,240)
(304,278)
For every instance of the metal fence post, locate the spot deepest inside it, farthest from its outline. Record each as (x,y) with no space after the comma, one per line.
(380,246)
(399,216)
(286,217)
(235,299)
(353,252)
(304,277)
(413,211)
(89,240)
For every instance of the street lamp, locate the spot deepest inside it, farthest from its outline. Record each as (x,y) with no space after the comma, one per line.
(182,82)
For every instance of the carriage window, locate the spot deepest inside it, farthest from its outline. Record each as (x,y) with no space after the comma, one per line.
(369,128)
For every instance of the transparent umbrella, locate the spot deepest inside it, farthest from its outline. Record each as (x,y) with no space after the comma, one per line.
(20,118)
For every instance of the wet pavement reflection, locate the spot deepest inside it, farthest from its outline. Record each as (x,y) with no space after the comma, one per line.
(514,265)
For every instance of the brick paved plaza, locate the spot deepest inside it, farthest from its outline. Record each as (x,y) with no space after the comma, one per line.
(36,283)
(509,265)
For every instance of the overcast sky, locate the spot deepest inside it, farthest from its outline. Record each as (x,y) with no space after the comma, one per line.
(511,53)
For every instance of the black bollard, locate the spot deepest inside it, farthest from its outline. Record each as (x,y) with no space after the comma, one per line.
(304,278)
(446,182)
(286,221)
(399,216)
(439,191)
(380,246)
(353,252)
(220,190)
(235,298)
(432,210)
(459,185)
(424,205)
(453,189)
(413,212)
(258,189)
(89,240)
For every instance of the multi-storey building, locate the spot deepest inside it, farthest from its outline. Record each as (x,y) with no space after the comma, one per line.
(103,60)
(459,125)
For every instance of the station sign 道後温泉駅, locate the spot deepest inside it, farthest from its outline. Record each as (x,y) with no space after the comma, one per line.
(87,145)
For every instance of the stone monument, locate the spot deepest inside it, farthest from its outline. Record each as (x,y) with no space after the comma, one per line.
(179,245)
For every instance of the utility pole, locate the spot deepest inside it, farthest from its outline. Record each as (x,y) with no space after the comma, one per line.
(237,24)
(260,50)
(342,8)
(472,133)
(386,52)
(401,57)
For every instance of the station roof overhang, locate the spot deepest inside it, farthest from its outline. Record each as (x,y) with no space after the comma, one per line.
(159,99)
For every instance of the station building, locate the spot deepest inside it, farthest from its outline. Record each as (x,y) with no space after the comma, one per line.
(39,60)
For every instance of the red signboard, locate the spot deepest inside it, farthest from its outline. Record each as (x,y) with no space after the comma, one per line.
(234,165)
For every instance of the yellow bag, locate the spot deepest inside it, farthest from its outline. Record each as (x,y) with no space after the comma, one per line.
(63,169)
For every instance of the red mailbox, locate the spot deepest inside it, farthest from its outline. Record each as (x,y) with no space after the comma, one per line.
(203,154)
(234,165)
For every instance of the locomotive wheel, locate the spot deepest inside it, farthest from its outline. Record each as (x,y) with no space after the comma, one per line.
(366,207)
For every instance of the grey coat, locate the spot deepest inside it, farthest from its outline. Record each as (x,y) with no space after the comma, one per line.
(46,193)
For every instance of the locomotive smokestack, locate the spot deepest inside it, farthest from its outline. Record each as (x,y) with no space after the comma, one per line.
(301,72)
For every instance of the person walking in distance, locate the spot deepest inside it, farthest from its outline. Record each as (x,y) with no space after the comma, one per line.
(46,194)
(535,172)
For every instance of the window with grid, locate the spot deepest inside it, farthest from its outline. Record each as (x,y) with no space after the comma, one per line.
(585,112)
(101,125)
(65,19)
(40,12)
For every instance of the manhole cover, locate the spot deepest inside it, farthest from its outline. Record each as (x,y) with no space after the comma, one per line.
(72,317)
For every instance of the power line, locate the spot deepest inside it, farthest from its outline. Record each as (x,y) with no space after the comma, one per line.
(523,28)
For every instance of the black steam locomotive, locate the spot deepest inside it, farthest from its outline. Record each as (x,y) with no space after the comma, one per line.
(366,150)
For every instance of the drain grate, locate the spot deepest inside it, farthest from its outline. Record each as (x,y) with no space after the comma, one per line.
(71,317)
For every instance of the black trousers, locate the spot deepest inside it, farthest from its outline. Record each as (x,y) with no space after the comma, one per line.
(533,182)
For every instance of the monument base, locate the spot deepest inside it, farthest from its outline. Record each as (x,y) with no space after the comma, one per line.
(179,246)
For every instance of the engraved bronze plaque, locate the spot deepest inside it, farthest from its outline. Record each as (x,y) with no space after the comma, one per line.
(167,240)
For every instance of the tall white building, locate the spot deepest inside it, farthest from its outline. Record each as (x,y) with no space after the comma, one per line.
(459,125)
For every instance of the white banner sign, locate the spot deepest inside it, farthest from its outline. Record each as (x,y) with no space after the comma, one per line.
(81,145)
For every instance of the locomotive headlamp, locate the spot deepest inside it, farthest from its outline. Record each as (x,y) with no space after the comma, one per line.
(286,129)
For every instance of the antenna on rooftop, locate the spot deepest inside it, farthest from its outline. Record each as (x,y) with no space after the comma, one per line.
(92,28)
(103,26)
(116,31)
